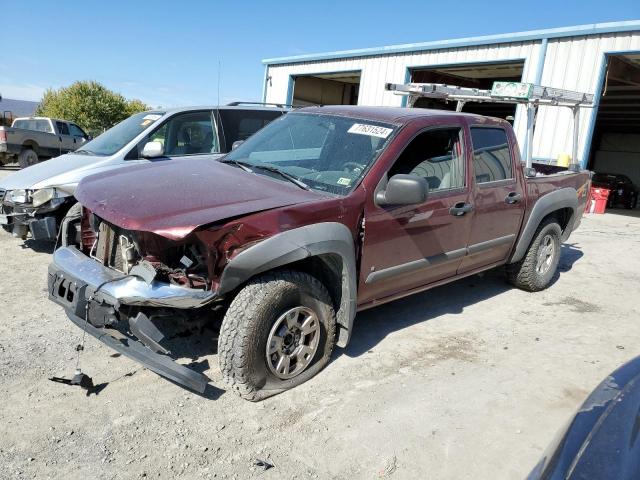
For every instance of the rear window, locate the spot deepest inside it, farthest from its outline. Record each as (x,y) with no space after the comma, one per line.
(491,155)
(241,124)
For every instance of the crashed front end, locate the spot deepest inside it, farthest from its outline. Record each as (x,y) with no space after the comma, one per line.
(119,285)
(36,212)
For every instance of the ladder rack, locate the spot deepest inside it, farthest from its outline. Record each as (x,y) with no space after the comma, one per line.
(526,94)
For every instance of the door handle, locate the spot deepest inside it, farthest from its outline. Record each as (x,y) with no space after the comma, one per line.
(513,197)
(460,209)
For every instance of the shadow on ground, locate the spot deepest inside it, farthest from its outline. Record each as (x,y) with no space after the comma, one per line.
(374,325)
(624,212)
(39,246)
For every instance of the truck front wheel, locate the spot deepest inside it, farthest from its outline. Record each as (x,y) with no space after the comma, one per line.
(278,332)
(27,158)
(535,271)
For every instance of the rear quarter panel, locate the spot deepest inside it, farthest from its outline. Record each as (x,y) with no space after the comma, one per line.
(537,187)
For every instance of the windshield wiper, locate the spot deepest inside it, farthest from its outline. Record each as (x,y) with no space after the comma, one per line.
(246,166)
(283,174)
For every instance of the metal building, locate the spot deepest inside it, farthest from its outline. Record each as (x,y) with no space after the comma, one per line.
(603,59)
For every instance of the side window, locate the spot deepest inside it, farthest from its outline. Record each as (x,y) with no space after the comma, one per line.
(238,124)
(435,155)
(187,134)
(63,129)
(491,155)
(76,131)
(43,126)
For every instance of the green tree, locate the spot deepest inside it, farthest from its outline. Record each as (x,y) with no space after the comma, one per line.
(89,104)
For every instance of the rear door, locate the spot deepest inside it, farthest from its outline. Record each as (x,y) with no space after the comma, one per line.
(498,198)
(407,247)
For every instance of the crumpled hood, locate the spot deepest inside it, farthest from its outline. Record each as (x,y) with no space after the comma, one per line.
(175,197)
(63,171)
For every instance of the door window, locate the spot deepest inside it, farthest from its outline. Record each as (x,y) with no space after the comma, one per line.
(241,124)
(188,134)
(491,155)
(436,156)
(76,131)
(63,129)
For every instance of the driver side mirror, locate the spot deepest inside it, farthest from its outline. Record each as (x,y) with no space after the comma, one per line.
(236,144)
(152,150)
(404,189)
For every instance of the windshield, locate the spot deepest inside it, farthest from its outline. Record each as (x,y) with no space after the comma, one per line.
(327,153)
(117,137)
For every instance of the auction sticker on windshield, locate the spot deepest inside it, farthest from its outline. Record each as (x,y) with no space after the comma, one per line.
(370,130)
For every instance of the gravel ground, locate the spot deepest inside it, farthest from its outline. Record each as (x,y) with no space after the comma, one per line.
(470,380)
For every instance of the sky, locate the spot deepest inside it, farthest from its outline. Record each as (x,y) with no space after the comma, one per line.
(175,53)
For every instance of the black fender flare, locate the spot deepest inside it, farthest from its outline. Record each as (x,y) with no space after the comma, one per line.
(298,244)
(549,203)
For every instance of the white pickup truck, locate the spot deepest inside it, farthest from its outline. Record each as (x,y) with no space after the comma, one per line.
(31,139)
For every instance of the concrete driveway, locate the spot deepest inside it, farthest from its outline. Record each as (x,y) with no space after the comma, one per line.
(470,380)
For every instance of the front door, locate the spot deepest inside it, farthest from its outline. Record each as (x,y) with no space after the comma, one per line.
(406,247)
(67,142)
(498,199)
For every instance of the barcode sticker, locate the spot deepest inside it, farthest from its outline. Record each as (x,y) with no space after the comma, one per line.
(370,130)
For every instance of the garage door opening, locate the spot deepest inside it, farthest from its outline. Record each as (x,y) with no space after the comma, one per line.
(474,76)
(326,89)
(615,145)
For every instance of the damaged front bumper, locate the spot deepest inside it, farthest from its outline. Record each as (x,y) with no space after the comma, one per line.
(20,220)
(92,294)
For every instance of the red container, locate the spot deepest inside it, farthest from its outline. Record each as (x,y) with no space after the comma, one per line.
(597,200)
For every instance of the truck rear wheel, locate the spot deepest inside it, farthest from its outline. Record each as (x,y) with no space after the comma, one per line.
(278,332)
(535,271)
(27,158)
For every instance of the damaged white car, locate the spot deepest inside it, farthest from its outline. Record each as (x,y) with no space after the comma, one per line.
(33,201)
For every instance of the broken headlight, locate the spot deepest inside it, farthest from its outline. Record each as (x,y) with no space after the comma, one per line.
(17,196)
(44,195)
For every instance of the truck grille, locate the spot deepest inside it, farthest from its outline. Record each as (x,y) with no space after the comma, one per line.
(2,194)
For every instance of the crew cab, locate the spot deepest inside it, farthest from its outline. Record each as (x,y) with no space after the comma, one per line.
(325,212)
(30,139)
(34,201)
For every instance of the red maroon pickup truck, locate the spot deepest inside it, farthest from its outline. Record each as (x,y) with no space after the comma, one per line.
(323,213)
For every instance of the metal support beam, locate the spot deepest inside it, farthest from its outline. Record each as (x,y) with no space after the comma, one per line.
(576,133)
(531,111)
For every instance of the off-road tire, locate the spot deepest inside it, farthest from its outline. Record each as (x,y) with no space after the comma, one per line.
(248,321)
(27,158)
(524,274)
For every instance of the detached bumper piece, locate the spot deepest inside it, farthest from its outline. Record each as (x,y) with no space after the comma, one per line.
(85,288)
(156,362)
(45,229)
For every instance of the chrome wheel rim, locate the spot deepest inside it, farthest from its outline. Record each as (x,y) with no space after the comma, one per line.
(546,253)
(293,342)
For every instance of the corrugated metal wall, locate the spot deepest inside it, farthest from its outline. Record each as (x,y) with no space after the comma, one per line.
(573,63)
